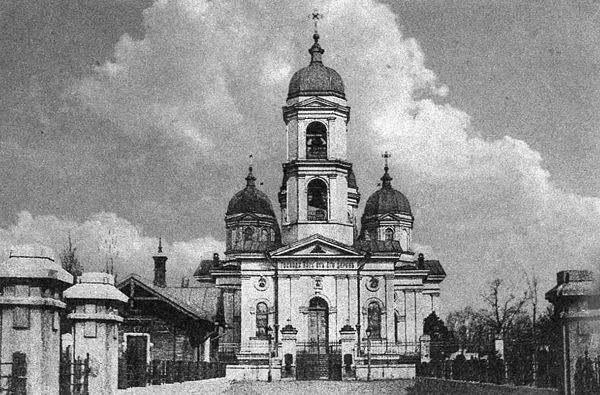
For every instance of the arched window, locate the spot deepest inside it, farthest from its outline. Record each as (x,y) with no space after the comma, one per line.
(389,234)
(264,234)
(396,327)
(248,232)
(317,200)
(262,319)
(316,141)
(374,319)
(229,240)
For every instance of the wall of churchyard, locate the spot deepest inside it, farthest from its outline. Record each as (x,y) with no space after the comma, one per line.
(427,386)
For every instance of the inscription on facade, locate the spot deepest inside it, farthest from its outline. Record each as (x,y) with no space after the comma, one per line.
(331,265)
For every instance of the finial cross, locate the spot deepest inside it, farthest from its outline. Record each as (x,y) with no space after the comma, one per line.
(316,16)
(250,158)
(386,155)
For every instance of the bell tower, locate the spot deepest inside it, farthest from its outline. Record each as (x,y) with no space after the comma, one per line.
(319,192)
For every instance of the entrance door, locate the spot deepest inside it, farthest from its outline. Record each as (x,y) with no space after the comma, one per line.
(136,359)
(318,324)
(314,360)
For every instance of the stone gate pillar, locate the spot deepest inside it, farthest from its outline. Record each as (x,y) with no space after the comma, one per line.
(576,300)
(288,352)
(348,346)
(94,303)
(31,286)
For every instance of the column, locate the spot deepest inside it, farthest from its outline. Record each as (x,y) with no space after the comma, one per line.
(288,352)
(31,285)
(349,352)
(95,302)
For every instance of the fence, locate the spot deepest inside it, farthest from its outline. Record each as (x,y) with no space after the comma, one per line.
(544,373)
(74,374)
(587,375)
(13,375)
(228,352)
(167,372)
(318,359)
(382,352)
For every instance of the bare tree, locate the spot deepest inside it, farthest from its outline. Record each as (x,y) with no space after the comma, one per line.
(503,308)
(111,252)
(69,260)
(470,329)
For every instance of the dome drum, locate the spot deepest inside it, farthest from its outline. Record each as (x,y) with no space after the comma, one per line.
(250,221)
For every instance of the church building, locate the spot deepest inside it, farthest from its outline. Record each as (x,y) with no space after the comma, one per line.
(318,294)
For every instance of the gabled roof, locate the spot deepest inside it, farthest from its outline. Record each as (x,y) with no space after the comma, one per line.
(316,245)
(199,302)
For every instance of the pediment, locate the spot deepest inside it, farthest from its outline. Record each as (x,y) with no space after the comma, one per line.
(316,245)
(245,217)
(316,101)
(389,217)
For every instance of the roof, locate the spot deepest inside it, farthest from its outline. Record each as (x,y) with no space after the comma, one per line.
(316,79)
(574,283)
(250,200)
(199,301)
(95,286)
(255,246)
(34,261)
(379,245)
(386,200)
(435,267)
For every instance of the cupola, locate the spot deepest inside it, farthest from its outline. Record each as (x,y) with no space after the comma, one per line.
(316,79)
(387,220)
(250,221)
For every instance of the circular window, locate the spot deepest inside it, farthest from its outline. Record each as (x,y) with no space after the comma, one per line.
(372,284)
(261,284)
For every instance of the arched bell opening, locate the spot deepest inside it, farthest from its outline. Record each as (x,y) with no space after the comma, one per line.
(317,200)
(316,141)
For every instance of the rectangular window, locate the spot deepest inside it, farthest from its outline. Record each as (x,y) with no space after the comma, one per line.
(21,318)
(89,329)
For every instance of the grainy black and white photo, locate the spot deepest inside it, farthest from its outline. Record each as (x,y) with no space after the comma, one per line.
(299,197)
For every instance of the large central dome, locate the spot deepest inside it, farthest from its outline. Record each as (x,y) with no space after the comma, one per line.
(316,79)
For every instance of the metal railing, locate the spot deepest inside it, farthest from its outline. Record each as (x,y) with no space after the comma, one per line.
(167,372)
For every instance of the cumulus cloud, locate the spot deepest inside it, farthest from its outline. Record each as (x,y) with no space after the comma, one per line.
(213,75)
(103,237)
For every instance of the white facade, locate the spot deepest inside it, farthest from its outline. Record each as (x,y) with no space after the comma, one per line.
(322,279)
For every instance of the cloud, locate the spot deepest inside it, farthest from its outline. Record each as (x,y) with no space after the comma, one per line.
(103,236)
(211,77)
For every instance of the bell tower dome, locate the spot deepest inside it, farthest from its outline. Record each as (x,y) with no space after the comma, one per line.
(318,194)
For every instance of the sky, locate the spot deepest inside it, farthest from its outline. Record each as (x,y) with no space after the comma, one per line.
(122,121)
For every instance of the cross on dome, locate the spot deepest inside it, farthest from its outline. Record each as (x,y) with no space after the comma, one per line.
(316,16)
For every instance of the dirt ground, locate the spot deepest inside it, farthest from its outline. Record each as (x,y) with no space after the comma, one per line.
(222,386)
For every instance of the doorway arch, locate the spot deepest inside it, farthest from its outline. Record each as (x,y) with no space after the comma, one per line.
(318,321)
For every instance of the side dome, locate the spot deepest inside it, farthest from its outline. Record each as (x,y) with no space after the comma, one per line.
(387,200)
(316,79)
(250,200)
(250,221)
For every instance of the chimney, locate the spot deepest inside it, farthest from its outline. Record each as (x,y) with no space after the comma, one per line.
(160,267)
